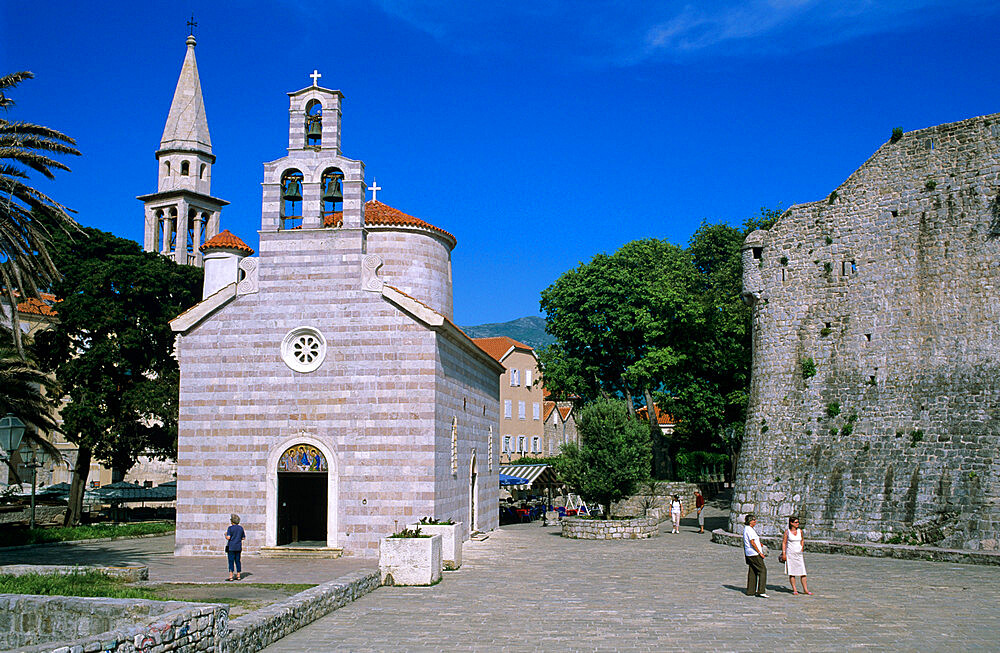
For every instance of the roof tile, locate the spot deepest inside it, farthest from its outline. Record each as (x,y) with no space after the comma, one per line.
(226,240)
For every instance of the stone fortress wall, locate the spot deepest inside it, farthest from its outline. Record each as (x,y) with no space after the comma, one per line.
(889,289)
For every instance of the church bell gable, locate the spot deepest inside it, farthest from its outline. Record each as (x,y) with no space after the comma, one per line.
(314,186)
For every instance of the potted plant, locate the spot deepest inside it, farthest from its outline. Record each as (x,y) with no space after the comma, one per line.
(410,557)
(452,535)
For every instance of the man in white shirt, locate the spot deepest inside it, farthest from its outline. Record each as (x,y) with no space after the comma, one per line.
(754,552)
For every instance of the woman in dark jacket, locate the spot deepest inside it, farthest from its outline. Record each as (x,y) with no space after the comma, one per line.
(234,545)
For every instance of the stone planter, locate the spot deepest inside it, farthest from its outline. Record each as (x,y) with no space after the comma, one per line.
(452,536)
(410,560)
(639,528)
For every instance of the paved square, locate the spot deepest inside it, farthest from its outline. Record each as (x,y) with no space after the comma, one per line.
(527,589)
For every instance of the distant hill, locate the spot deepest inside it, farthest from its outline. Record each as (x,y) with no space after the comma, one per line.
(529,330)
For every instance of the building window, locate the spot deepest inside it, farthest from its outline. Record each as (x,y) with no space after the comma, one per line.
(536,445)
(185,167)
(527,378)
(506,444)
(506,408)
(303,349)
(536,410)
(515,378)
(520,410)
(520,444)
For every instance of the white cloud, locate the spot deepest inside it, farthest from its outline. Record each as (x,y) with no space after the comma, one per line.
(624,32)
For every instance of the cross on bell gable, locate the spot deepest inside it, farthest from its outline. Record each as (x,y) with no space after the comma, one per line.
(315,77)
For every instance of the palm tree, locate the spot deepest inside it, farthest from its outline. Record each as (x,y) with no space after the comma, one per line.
(30,394)
(25,265)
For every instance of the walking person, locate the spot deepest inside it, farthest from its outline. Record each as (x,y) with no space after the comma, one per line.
(234,546)
(791,551)
(675,513)
(699,505)
(754,552)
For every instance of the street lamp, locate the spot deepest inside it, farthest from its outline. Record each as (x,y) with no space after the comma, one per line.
(33,459)
(11,431)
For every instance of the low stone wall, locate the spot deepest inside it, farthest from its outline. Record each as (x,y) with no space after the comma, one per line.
(258,629)
(901,551)
(65,624)
(127,574)
(22,514)
(610,529)
(658,505)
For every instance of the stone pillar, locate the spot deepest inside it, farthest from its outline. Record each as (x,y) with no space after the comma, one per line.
(180,238)
(311,205)
(168,230)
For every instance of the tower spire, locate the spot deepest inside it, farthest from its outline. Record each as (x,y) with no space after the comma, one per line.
(182,213)
(187,124)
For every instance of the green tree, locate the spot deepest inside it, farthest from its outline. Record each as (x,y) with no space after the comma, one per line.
(25,264)
(620,324)
(112,348)
(613,457)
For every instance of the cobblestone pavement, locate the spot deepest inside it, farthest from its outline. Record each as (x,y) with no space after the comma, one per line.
(527,589)
(158,554)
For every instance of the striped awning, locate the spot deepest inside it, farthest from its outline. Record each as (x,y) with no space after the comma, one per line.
(538,476)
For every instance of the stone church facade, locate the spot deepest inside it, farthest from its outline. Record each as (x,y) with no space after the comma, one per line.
(875,395)
(326,396)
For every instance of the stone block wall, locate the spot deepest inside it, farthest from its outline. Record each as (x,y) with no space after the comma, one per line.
(267,625)
(415,261)
(36,624)
(639,528)
(466,390)
(888,288)
(660,503)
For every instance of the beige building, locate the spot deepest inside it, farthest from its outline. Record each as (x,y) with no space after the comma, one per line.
(559,423)
(522,433)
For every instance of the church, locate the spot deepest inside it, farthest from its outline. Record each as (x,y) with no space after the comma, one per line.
(326,395)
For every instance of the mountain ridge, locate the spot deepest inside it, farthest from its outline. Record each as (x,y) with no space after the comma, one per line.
(530,330)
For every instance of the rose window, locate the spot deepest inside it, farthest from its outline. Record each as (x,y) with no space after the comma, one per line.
(303,349)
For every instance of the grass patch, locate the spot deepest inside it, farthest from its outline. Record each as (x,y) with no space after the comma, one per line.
(85,584)
(15,537)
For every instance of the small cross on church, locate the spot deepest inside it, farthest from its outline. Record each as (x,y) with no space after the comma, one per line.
(374,188)
(191,25)
(315,77)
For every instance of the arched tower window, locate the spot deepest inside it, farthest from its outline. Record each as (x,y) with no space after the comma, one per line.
(191,244)
(172,225)
(291,199)
(201,171)
(332,196)
(314,124)
(166,168)
(185,168)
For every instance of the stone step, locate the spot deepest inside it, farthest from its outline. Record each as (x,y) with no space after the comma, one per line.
(289,551)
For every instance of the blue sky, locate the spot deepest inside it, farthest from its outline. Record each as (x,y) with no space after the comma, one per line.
(538,133)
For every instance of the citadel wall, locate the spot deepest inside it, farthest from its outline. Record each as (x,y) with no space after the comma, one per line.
(889,290)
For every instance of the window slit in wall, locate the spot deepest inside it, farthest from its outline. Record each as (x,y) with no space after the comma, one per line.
(868,337)
(758,253)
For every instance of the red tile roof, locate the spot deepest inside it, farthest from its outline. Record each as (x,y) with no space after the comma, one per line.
(564,411)
(379,214)
(226,240)
(547,407)
(499,345)
(43,306)
(661,417)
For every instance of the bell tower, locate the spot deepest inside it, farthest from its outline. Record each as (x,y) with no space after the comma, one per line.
(182,214)
(314,186)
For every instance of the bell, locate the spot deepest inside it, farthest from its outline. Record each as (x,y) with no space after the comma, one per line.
(315,129)
(293,191)
(332,192)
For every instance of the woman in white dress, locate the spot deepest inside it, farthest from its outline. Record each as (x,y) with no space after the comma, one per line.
(791,551)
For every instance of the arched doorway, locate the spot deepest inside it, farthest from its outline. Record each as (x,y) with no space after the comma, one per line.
(302,496)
